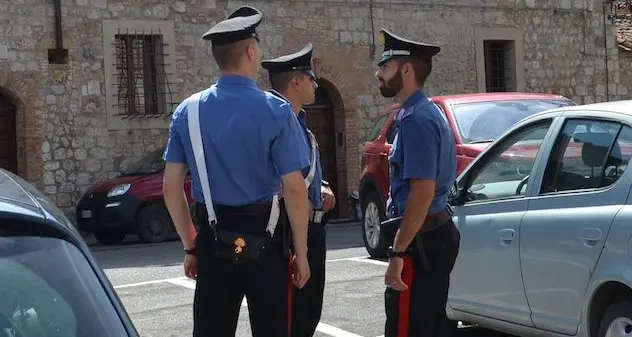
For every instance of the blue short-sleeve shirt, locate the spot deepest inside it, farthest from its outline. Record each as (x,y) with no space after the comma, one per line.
(251,138)
(423,148)
(314,189)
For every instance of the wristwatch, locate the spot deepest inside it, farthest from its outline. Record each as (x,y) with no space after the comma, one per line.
(391,253)
(190,251)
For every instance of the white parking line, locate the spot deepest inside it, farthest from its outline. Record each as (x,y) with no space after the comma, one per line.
(148,282)
(347,259)
(370,261)
(321,327)
(333,331)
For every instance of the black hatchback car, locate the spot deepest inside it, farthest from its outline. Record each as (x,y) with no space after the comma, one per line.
(50,284)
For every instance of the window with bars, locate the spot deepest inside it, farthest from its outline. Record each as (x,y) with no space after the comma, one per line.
(500,68)
(142,88)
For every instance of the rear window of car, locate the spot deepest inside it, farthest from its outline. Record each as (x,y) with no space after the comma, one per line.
(486,121)
(48,289)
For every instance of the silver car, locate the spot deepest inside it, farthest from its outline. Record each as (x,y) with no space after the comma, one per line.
(545,216)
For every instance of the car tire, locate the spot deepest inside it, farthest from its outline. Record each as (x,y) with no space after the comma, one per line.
(154,223)
(618,313)
(109,237)
(373,214)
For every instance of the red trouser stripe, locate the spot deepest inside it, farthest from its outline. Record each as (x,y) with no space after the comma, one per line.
(289,297)
(403,316)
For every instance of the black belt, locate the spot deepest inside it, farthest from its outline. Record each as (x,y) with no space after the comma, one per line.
(432,222)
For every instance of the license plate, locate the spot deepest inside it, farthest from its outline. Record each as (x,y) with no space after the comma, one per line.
(86,214)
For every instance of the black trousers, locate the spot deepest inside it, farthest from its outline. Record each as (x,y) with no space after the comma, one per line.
(222,285)
(420,310)
(307,303)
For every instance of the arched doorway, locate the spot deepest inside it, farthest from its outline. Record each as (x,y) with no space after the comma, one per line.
(8,135)
(320,120)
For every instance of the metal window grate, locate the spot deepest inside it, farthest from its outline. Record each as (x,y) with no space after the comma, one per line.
(143,89)
(496,66)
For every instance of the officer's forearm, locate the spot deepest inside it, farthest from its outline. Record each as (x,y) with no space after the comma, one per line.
(417,204)
(178,207)
(297,204)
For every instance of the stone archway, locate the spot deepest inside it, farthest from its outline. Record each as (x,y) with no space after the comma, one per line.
(325,118)
(8,134)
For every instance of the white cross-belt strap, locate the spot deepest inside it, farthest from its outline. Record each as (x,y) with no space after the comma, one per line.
(307,180)
(193,119)
(312,164)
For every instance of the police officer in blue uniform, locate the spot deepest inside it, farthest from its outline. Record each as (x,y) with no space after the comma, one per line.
(242,144)
(422,171)
(292,79)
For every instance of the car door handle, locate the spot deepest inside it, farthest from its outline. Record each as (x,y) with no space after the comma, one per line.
(590,235)
(507,235)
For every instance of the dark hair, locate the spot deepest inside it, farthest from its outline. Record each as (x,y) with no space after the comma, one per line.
(280,81)
(229,56)
(422,68)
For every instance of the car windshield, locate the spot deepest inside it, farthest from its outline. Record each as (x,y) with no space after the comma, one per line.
(485,121)
(48,289)
(150,163)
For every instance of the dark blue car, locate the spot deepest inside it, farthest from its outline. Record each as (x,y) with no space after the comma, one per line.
(50,284)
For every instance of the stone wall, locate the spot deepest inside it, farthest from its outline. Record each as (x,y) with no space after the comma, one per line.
(65,144)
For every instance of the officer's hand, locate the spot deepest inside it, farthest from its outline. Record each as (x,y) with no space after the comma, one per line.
(190,266)
(393,278)
(329,200)
(300,270)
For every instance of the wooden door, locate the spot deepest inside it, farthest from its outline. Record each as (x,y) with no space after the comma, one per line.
(320,120)
(8,141)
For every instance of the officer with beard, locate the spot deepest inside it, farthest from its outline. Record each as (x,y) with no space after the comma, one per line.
(422,171)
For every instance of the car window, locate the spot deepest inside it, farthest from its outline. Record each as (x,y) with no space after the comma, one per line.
(150,163)
(505,174)
(48,289)
(486,121)
(377,127)
(588,154)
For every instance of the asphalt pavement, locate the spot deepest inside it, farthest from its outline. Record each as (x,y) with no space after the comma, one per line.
(149,279)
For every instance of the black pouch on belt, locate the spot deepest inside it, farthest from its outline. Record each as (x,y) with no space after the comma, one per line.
(240,232)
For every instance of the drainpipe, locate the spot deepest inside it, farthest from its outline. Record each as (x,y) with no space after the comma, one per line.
(605,44)
(58,55)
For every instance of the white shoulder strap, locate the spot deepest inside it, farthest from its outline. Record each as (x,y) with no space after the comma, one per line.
(195,132)
(193,114)
(312,164)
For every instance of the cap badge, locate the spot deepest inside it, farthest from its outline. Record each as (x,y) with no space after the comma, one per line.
(381,38)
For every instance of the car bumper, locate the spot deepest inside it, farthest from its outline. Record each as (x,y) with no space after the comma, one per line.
(100,212)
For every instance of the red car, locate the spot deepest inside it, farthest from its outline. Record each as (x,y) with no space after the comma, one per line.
(131,203)
(476,120)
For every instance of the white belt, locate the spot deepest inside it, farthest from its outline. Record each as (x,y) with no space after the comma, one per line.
(317,216)
(193,114)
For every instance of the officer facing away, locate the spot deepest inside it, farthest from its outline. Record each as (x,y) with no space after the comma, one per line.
(241,143)
(422,170)
(292,79)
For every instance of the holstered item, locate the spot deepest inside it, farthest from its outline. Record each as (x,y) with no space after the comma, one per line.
(417,249)
(282,238)
(240,233)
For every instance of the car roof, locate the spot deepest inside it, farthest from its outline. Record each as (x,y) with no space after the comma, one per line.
(495,96)
(623,107)
(19,199)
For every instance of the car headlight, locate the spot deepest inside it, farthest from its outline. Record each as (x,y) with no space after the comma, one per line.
(119,190)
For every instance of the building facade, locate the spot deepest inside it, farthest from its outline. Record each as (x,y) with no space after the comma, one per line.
(88,86)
